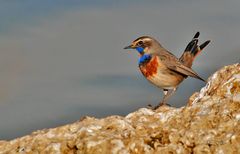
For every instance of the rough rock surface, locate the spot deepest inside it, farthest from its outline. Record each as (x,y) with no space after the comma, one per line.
(210,123)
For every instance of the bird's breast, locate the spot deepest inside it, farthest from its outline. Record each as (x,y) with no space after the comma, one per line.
(149,68)
(158,74)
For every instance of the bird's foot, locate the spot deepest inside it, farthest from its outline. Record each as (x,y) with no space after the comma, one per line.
(149,106)
(160,105)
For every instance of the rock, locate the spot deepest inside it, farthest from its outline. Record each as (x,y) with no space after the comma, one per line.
(210,123)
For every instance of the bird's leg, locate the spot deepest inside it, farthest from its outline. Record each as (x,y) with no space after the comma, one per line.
(167,93)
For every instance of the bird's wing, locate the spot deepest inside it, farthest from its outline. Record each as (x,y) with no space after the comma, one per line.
(185,70)
(172,63)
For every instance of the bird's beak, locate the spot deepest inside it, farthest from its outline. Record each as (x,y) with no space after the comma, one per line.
(129,47)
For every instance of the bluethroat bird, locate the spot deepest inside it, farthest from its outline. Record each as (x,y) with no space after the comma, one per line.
(164,69)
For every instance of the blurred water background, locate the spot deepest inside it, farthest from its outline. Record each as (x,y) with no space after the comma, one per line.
(61,60)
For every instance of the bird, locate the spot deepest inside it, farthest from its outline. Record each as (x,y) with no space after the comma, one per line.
(164,69)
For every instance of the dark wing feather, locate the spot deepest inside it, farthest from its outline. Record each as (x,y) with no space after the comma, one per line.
(185,70)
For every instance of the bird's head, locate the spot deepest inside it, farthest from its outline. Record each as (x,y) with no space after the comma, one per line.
(145,45)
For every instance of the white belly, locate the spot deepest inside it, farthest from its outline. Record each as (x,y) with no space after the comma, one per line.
(164,80)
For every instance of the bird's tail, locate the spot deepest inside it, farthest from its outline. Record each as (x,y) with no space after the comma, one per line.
(192,50)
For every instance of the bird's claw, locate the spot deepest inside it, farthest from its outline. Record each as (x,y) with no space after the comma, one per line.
(149,106)
(159,105)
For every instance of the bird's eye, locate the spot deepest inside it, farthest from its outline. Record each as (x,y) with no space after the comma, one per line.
(140,43)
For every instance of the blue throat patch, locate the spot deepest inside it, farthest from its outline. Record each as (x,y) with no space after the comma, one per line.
(140,50)
(144,58)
